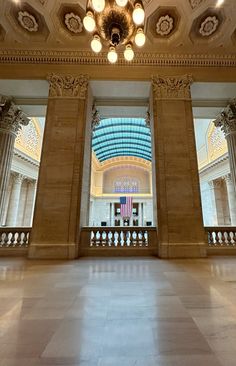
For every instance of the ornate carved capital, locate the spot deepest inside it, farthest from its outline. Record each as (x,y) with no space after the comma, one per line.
(148,119)
(226,120)
(18,178)
(95,118)
(227,178)
(214,184)
(68,86)
(177,87)
(12,118)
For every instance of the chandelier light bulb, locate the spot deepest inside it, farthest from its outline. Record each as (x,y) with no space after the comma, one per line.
(98,5)
(138,14)
(89,22)
(96,44)
(128,53)
(121,2)
(140,38)
(112,55)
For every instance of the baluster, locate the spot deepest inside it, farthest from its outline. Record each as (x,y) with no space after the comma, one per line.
(231,237)
(25,239)
(218,237)
(116,239)
(227,237)
(92,238)
(11,239)
(6,238)
(210,237)
(234,237)
(223,238)
(146,238)
(126,237)
(119,238)
(18,239)
(97,238)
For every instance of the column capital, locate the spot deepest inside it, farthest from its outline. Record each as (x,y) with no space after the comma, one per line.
(214,184)
(95,118)
(172,87)
(12,118)
(68,86)
(226,120)
(227,178)
(17,177)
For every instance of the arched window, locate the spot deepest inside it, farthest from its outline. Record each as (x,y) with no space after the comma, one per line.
(126,185)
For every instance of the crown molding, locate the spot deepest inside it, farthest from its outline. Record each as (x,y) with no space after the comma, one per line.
(142,59)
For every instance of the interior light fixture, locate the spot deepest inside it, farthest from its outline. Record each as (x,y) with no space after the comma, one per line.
(115,24)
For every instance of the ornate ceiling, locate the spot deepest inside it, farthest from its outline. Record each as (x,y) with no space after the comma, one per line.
(180,28)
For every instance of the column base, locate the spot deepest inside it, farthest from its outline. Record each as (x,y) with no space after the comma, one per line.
(53,251)
(182,250)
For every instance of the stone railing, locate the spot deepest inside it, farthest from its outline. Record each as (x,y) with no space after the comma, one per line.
(121,239)
(14,237)
(218,236)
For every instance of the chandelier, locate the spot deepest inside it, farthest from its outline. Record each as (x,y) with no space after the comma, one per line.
(115,23)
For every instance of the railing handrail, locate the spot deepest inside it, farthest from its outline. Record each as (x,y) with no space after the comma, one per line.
(220,228)
(118,228)
(9,229)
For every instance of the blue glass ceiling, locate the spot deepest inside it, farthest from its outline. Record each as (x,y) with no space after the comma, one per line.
(122,137)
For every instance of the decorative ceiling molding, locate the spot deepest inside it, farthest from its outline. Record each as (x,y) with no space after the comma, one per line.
(73,23)
(209,26)
(28,21)
(164,25)
(87,58)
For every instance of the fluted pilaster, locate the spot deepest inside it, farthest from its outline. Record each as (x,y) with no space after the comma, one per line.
(11,121)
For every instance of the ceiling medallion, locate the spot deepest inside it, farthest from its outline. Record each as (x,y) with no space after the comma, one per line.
(208,26)
(73,23)
(164,25)
(28,21)
(115,24)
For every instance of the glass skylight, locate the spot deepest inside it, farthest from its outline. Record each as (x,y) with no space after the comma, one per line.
(122,137)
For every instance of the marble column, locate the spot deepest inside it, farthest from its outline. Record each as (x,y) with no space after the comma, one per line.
(226,120)
(217,202)
(14,199)
(62,203)
(11,121)
(179,213)
(231,198)
(30,201)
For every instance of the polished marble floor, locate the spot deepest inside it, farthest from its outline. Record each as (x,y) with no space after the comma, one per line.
(118,312)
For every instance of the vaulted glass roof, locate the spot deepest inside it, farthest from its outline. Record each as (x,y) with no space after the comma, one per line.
(122,137)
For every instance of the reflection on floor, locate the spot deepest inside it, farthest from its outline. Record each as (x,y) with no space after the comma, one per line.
(118,312)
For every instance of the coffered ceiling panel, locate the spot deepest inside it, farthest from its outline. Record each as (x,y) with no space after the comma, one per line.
(180,27)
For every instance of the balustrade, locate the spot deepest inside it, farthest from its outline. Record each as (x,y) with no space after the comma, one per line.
(118,238)
(14,237)
(221,236)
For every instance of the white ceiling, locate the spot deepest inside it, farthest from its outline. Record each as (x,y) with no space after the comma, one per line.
(119,98)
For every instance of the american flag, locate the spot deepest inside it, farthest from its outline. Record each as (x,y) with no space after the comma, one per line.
(126,206)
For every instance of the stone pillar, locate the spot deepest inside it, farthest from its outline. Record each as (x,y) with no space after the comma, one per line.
(226,120)
(58,208)
(112,214)
(216,187)
(30,201)
(231,198)
(212,215)
(180,224)
(14,200)
(11,121)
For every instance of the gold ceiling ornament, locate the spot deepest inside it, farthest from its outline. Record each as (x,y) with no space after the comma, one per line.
(115,24)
